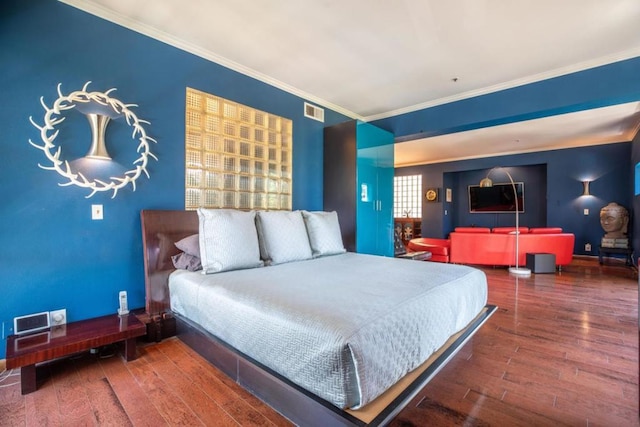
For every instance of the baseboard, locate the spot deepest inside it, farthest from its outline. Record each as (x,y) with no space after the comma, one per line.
(586,257)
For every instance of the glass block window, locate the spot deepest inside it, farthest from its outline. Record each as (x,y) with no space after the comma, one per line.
(235,156)
(407,196)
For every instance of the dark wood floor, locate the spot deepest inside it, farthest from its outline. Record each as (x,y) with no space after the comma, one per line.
(561,350)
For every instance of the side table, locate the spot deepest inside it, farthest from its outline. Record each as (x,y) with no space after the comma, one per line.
(24,351)
(627,252)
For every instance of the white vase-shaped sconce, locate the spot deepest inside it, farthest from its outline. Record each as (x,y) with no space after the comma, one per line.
(98,149)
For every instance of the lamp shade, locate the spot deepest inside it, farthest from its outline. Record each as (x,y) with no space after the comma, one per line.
(486,182)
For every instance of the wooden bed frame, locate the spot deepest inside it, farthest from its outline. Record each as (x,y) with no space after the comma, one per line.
(160,229)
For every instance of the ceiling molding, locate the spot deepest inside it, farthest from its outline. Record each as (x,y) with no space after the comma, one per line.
(149,31)
(609,59)
(576,144)
(606,125)
(156,34)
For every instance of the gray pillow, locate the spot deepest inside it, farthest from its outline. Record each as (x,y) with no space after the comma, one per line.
(228,240)
(190,245)
(283,237)
(184,261)
(324,233)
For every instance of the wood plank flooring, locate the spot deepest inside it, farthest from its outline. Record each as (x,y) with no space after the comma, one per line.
(561,350)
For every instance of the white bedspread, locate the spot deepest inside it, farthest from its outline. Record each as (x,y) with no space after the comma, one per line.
(345,327)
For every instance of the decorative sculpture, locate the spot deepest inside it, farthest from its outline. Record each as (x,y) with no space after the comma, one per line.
(614,219)
(98,122)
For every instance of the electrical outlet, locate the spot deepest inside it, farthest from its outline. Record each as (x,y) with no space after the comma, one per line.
(587,247)
(97,212)
(58,317)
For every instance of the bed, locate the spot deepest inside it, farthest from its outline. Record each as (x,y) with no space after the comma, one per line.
(329,339)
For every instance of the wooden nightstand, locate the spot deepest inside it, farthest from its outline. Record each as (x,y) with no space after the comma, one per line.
(25,351)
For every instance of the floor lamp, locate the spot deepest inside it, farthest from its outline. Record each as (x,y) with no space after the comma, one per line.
(486,182)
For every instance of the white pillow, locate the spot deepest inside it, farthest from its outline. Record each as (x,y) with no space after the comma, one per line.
(283,237)
(228,240)
(324,233)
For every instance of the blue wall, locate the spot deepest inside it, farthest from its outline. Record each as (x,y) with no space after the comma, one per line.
(562,203)
(597,87)
(54,255)
(609,165)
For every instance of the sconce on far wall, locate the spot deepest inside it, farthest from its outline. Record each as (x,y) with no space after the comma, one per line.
(585,188)
(110,108)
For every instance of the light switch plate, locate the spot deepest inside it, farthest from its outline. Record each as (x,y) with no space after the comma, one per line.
(97,212)
(586,211)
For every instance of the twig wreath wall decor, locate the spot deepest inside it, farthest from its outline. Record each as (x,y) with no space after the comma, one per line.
(114,108)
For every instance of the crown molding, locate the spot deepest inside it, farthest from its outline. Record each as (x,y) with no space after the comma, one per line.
(605,60)
(154,33)
(126,22)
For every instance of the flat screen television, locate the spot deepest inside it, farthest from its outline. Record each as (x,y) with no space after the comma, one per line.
(496,199)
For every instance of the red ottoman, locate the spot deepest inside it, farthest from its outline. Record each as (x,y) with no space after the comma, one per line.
(439,248)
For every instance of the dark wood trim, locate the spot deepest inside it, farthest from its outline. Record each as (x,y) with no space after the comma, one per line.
(339,182)
(160,230)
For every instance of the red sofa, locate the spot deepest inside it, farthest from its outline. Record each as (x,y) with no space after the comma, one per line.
(439,248)
(484,246)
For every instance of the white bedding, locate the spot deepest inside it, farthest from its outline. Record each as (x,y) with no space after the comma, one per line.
(345,327)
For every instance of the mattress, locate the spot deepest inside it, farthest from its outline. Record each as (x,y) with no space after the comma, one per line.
(344,327)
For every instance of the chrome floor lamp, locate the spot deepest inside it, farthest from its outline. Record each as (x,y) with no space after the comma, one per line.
(487,182)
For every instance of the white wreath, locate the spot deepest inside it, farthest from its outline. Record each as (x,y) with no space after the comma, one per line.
(52,118)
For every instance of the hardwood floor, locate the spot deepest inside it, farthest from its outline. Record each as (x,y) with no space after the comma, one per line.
(561,350)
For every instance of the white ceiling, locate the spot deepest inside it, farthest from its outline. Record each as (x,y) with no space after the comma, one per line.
(618,123)
(371,59)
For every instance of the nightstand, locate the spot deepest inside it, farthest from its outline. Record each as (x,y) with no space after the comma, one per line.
(24,351)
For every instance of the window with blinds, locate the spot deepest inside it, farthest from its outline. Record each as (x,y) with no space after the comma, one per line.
(235,156)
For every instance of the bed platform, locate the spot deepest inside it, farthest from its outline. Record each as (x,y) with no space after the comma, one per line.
(160,230)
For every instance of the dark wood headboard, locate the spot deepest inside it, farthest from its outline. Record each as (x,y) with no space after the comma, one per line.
(160,230)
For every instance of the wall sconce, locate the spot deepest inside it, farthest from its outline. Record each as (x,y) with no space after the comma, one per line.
(585,188)
(108,108)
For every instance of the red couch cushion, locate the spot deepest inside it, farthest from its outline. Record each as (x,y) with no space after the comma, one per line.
(545,230)
(509,230)
(472,230)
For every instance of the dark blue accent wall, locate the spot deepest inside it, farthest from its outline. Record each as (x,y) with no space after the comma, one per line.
(54,256)
(535,200)
(553,190)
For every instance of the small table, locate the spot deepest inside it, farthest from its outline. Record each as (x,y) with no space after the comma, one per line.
(416,256)
(24,351)
(628,252)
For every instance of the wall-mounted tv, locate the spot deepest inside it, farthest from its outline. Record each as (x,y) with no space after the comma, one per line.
(496,199)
